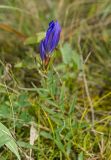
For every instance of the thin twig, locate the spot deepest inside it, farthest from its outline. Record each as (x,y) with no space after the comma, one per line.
(11,107)
(86,84)
(87,57)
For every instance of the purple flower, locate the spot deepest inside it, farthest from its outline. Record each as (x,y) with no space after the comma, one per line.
(49,43)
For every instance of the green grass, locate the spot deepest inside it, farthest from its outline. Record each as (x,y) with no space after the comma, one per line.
(67,108)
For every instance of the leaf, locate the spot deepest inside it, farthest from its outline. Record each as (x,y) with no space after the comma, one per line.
(35,39)
(59,144)
(56,118)
(50,111)
(31,40)
(25,145)
(46,135)
(66,51)
(52,103)
(18,65)
(80,157)
(11,142)
(23,101)
(4,111)
(40,36)
(76,59)
(68,147)
(3,140)
(25,117)
(72,106)
(69,55)
(62,97)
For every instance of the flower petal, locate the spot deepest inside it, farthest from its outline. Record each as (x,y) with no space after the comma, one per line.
(42,50)
(56,36)
(51,39)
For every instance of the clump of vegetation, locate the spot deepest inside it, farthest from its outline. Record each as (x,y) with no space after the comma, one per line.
(62,110)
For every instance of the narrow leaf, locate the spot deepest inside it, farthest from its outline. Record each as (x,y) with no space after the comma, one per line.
(11,143)
(3,140)
(35,39)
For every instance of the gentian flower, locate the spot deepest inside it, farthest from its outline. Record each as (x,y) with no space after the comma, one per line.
(50,42)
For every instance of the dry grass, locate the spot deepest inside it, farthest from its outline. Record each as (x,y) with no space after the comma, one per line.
(70,105)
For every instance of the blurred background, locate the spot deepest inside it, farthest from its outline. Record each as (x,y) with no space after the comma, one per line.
(69,107)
